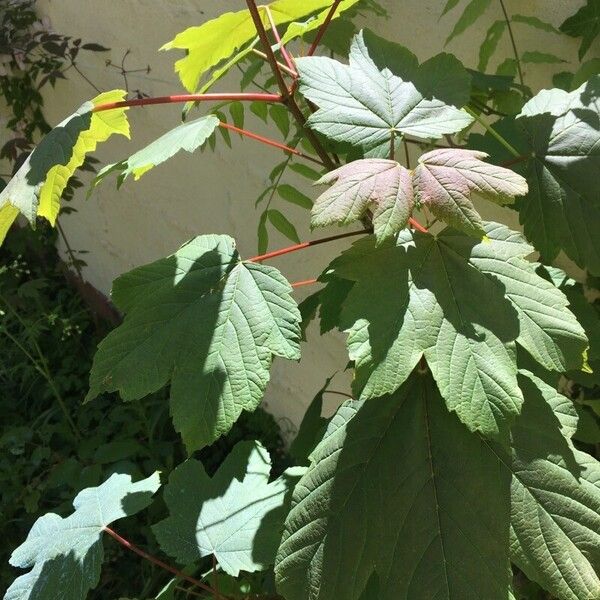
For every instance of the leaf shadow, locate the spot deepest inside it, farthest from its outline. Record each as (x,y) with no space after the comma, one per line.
(56,148)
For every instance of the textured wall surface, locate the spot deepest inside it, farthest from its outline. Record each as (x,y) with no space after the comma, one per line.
(215,193)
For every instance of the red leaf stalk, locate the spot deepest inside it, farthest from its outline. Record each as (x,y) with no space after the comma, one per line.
(127,544)
(269,142)
(303,245)
(178,99)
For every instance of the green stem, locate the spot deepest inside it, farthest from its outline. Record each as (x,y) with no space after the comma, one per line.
(42,369)
(493,132)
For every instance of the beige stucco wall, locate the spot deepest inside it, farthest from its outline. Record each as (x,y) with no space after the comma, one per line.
(204,193)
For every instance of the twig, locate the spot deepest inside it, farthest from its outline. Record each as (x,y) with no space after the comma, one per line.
(298,284)
(287,98)
(280,65)
(303,245)
(492,131)
(269,142)
(70,252)
(323,28)
(416,225)
(159,563)
(181,98)
(282,48)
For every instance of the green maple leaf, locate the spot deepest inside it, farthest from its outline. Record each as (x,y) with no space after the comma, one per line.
(585,23)
(65,554)
(36,188)
(208,323)
(555,491)
(462,304)
(236,515)
(444,181)
(187,136)
(363,105)
(385,502)
(563,204)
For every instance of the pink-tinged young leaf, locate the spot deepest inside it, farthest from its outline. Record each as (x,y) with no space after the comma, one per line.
(445,179)
(383,185)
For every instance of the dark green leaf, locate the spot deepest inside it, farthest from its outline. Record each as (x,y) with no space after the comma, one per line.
(283,225)
(292,195)
(416,297)
(585,23)
(487,49)
(472,12)
(385,499)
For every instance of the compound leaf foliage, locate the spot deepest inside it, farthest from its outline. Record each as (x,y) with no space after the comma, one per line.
(208,323)
(216,40)
(364,106)
(562,208)
(462,304)
(65,554)
(385,503)
(555,496)
(188,136)
(37,187)
(236,515)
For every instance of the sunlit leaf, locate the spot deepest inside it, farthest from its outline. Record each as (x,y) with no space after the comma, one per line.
(236,515)
(445,179)
(216,40)
(187,136)
(361,105)
(383,185)
(65,554)
(205,322)
(38,185)
(562,207)
(462,304)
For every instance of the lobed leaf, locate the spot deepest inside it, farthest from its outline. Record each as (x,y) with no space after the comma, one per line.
(65,554)
(205,322)
(585,23)
(382,184)
(361,105)
(460,304)
(188,136)
(562,207)
(236,515)
(36,188)
(555,496)
(385,506)
(443,181)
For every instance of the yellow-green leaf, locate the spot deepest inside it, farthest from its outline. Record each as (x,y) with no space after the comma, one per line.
(216,40)
(38,185)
